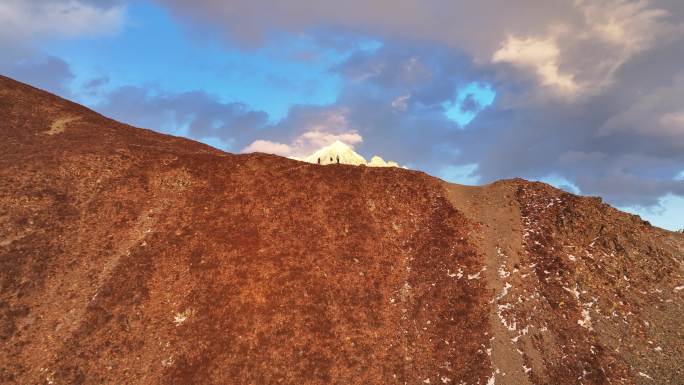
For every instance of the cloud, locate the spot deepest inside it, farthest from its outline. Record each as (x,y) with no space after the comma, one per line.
(27,25)
(581,58)
(322,138)
(542,56)
(268,147)
(307,130)
(552,38)
(194,114)
(455,23)
(470,104)
(630,25)
(46,72)
(304,144)
(623,144)
(401,102)
(612,33)
(658,114)
(673,122)
(25,21)
(396,68)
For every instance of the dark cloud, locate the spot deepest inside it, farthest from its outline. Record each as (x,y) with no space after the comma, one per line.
(469,104)
(196,114)
(618,143)
(94,84)
(401,64)
(46,72)
(453,23)
(25,22)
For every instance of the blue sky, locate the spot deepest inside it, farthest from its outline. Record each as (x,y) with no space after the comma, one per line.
(152,50)
(547,94)
(468,102)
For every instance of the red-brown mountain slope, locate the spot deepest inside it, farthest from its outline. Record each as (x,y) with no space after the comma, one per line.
(132,257)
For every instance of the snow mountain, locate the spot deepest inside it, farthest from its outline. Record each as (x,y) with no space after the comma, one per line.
(339,152)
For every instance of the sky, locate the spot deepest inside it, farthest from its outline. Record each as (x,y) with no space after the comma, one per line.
(585,95)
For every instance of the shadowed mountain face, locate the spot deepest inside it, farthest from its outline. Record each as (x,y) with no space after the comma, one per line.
(131,257)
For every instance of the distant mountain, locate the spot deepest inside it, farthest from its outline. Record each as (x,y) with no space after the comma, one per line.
(336,152)
(132,257)
(342,153)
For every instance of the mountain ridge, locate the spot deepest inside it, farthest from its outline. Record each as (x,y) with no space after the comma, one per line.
(129,256)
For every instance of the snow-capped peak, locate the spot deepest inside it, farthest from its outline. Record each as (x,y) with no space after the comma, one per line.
(339,152)
(377,161)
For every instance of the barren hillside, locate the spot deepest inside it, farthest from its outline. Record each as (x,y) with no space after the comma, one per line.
(132,257)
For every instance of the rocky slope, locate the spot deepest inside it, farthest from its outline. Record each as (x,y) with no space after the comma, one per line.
(131,257)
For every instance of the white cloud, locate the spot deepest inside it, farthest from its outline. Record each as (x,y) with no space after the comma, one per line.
(540,55)
(317,129)
(576,58)
(617,30)
(320,138)
(456,23)
(401,103)
(304,144)
(329,136)
(631,25)
(269,147)
(574,48)
(23,21)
